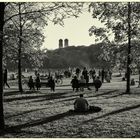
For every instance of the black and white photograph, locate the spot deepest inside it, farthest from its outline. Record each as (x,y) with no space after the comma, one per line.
(70,69)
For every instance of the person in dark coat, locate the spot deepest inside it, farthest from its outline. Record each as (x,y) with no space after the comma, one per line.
(78,72)
(85,74)
(97,83)
(5,79)
(51,83)
(37,82)
(81,104)
(103,75)
(75,83)
(31,83)
(86,77)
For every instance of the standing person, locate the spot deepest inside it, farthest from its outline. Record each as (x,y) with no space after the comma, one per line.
(110,73)
(100,73)
(51,83)
(85,74)
(86,77)
(94,75)
(97,84)
(82,83)
(36,72)
(5,78)
(31,83)
(37,82)
(103,75)
(75,83)
(77,72)
(107,77)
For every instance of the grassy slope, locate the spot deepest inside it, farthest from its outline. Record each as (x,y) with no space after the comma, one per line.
(44,114)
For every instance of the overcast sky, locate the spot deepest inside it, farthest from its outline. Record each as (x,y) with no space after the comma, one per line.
(75,29)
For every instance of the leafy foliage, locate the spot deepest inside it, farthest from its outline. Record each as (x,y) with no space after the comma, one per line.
(34,17)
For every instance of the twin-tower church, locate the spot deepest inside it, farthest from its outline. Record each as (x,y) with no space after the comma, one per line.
(63,43)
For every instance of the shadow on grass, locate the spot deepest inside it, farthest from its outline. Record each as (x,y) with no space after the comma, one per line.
(105,93)
(9,93)
(23,113)
(115,95)
(114,112)
(47,97)
(17,128)
(57,97)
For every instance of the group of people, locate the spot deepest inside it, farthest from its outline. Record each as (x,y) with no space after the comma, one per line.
(33,84)
(105,75)
(80,83)
(37,83)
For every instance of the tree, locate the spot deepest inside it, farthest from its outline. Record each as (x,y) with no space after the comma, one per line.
(27,16)
(2,7)
(123,20)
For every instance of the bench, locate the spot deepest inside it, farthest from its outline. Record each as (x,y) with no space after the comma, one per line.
(42,84)
(85,85)
(45,84)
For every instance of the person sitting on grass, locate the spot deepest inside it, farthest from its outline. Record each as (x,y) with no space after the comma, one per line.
(31,83)
(75,83)
(97,84)
(81,106)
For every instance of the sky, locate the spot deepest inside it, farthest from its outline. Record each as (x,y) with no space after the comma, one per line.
(75,30)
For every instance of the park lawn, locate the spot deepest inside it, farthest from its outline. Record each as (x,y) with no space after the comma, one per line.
(45,115)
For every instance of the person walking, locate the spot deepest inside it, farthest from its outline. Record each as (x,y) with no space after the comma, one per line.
(5,79)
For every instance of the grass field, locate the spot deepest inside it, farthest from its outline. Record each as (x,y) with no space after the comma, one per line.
(45,115)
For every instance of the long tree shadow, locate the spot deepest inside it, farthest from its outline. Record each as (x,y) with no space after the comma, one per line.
(50,96)
(17,128)
(57,97)
(102,94)
(106,93)
(23,113)
(115,95)
(26,133)
(114,112)
(9,93)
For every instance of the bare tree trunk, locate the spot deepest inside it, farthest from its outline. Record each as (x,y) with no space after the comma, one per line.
(2,7)
(19,52)
(129,49)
